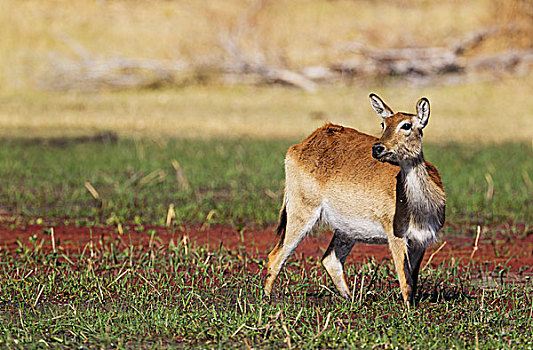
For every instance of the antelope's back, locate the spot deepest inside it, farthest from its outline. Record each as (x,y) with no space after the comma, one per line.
(334,153)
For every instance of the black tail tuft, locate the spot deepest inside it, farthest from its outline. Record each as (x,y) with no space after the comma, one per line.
(282,224)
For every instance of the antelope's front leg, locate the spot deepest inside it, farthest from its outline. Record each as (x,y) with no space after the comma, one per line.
(407,262)
(415,256)
(399,255)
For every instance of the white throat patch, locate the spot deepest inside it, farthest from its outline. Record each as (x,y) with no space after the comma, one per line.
(424,204)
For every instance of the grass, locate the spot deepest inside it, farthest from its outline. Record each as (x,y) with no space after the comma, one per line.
(235,182)
(478,112)
(216,153)
(120,295)
(297,33)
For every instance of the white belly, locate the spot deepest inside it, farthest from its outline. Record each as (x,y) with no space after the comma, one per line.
(360,229)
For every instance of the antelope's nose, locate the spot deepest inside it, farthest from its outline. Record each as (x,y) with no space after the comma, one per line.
(377,150)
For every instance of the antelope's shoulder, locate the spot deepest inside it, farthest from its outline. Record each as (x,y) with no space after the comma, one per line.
(335,151)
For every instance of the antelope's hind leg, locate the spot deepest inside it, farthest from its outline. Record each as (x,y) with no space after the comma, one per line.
(299,222)
(333,261)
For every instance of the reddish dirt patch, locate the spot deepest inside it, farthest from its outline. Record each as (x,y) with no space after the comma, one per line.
(498,248)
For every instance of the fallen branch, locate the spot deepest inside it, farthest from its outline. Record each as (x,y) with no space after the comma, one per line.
(84,71)
(473,39)
(243,65)
(114,73)
(430,61)
(509,61)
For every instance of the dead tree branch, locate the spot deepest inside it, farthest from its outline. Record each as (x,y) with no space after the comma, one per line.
(424,62)
(506,62)
(240,64)
(85,71)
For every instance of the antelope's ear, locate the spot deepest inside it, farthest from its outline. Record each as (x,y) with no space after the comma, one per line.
(380,107)
(422,111)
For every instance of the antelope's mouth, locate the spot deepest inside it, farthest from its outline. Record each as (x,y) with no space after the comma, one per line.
(383,157)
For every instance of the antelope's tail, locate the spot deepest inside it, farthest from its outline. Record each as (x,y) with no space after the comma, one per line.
(282,225)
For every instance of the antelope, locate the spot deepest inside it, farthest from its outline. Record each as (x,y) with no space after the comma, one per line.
(366,190)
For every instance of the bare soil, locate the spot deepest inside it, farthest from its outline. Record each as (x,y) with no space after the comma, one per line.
(508,245)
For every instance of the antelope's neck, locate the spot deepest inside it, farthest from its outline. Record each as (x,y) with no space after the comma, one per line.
(422,199)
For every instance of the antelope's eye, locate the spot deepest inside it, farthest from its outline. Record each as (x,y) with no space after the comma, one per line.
(407,126)
(382,125)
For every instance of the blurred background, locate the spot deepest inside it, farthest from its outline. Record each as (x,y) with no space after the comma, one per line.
(176,112)
(263,68)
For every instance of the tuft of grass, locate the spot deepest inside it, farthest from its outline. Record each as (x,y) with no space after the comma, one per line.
(115,294)
(234,182)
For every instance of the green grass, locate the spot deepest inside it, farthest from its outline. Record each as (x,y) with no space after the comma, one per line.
(118,295)
(238,181)
(122,294)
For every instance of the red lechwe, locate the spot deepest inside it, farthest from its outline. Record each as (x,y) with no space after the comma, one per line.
(367,190)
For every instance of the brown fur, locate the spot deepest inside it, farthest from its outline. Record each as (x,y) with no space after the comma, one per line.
(332,152)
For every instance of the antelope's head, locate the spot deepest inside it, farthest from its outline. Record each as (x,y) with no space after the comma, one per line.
(402,132)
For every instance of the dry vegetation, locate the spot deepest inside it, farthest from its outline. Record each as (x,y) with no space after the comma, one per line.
(480,113)
(292,34)
(518,12)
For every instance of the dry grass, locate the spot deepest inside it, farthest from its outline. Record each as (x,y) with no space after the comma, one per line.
(518,12)
(478,112)
(287,32)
